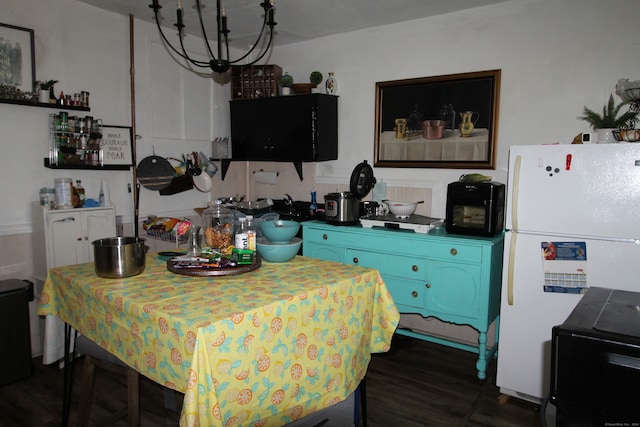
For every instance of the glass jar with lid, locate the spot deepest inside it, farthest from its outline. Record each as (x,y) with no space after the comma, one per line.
(218,226)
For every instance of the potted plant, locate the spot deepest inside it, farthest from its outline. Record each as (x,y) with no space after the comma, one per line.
(285,83)
(316,77)
(604,124)
(45,90)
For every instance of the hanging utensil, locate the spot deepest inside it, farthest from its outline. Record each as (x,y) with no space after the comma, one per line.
(155,173)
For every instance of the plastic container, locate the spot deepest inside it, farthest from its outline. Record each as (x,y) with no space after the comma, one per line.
(64,191)
(218,226)
(242,234)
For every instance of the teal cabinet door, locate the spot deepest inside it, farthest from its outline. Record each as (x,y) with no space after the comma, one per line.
(454,291)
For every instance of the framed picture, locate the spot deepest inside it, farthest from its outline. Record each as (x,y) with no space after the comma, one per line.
(17,57)
(448,121)
(117,148)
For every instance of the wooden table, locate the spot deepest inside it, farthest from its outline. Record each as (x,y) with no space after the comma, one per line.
(262,348)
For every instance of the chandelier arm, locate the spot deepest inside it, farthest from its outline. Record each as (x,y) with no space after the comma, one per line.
(261,55)
(197,63)
(256,43)
(204,32)
(176,51)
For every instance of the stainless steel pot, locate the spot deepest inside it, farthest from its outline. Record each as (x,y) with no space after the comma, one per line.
(342,208)
(117,257)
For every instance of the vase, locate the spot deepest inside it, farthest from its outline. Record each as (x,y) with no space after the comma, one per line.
(43,96)
(605,136)
(331,85)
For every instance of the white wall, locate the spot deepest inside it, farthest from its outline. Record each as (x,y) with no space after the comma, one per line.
(85,49)
(556,56)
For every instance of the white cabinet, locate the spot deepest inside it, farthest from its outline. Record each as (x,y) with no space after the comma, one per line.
(63,237)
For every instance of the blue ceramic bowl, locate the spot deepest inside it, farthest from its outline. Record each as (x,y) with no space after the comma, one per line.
(280,231)
(278,252)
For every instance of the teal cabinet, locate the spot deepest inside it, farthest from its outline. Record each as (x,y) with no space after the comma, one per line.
(453,278)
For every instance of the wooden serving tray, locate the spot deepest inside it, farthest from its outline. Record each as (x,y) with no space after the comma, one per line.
(172,266)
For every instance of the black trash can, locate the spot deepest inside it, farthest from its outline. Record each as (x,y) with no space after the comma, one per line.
(15,334)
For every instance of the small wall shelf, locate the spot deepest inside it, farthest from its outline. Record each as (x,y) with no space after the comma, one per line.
(88,167)
(38,104)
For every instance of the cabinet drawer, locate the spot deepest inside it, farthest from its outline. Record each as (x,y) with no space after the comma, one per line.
(406,292)
(326,237)
(454,251)
(390,264)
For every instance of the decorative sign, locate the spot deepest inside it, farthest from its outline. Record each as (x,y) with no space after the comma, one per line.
(117,148)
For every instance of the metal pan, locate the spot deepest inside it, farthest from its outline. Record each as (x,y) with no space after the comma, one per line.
(155,173)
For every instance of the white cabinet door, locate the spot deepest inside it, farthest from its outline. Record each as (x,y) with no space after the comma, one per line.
(63,239)
(97,225)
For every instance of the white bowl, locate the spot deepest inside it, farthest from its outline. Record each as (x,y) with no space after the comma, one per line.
(401,209)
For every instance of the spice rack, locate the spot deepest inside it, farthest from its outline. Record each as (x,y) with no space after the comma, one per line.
(74,141)
(255,81)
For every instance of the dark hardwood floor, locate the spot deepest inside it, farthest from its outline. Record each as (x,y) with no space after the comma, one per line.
(415,384)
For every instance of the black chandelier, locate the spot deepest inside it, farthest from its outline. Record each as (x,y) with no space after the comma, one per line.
(219,63)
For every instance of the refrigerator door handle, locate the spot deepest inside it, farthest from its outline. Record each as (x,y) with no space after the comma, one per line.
(510,271)
(515,192)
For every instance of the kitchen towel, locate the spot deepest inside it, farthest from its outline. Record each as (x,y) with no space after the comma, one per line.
(266,177)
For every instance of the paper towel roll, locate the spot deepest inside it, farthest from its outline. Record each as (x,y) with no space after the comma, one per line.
(266,177)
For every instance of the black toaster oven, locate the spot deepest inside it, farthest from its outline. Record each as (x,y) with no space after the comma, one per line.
(475,208)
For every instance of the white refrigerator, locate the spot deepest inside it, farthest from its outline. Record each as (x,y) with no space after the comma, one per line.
(572,222)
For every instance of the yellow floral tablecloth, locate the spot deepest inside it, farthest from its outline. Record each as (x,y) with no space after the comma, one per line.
(257,349)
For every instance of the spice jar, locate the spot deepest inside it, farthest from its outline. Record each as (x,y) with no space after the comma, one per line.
(218,226)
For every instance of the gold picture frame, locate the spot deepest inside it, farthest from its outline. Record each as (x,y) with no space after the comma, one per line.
(418,121)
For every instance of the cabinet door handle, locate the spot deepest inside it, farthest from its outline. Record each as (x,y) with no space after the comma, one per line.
(79,239)
(355,260)
(414,268)
(325,237)
(69,218)
(414,294)
(428,285)
(454,251)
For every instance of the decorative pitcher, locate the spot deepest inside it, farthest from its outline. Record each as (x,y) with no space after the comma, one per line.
(468,122)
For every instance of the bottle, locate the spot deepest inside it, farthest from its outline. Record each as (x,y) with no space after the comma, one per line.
(105,198)
(75,198)
(242,234)
(251,233)
(313,207)
(81,194)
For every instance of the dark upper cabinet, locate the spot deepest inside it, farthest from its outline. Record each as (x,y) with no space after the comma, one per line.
(297,128)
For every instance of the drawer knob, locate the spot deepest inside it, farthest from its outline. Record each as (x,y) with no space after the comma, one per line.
(414,267)
(428,285)
(355,260)
(414,294)
(454,251)
(325,237)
